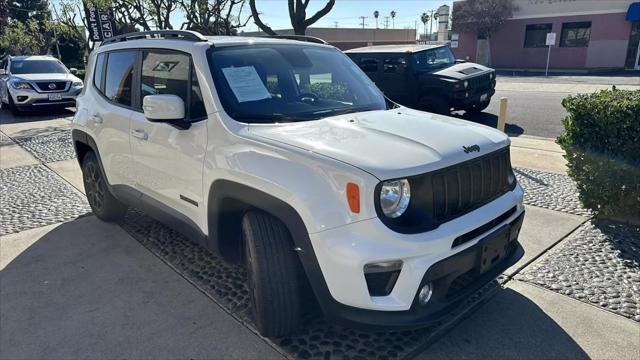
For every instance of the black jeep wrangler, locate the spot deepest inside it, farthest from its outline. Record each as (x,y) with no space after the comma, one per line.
(427,77)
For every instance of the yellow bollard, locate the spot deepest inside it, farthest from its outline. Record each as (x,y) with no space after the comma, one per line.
(502,118)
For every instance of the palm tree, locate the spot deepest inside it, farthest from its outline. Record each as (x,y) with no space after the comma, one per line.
(393,19)
(425,19)
(375,15)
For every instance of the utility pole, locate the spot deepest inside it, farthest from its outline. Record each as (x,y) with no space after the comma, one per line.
(363,18)
(431,18)
(335,24)
(386,22)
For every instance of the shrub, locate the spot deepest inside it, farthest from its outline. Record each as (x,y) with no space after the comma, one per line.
(602,145)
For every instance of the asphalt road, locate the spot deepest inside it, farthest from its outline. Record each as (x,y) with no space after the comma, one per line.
(533,113)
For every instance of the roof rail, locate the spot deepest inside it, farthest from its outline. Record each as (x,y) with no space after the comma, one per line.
(157,34)
(310,39)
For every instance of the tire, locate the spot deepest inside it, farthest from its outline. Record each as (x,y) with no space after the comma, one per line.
(476,108)
(103,204)
(272,274)
(435,104)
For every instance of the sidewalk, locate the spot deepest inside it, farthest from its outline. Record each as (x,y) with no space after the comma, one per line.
(75,287)
(566,84)
(537,153)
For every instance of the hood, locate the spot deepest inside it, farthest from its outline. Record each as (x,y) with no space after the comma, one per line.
(388,143)
(46,77)
(462,71)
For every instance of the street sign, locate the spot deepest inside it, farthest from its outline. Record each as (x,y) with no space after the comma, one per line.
(454,44)
(551,39)
(100,22)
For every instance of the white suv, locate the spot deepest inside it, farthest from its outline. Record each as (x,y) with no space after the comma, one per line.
(281,153)
(30,82)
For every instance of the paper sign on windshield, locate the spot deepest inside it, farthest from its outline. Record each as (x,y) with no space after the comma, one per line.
(245,83)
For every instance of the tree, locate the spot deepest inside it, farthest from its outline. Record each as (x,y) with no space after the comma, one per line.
(4,15)
(219,18)
(297,14)
(23,38)
(375,15)
(425,19)
(482,17)
(393,19)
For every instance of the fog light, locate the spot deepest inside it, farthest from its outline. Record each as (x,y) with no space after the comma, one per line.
(425,294)
(22,98)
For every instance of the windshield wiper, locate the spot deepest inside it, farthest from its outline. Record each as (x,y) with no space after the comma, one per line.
(342,111)
(266,118)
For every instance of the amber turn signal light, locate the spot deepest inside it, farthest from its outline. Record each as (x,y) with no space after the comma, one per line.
(353,197)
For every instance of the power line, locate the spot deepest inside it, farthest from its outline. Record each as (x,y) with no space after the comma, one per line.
(363,19)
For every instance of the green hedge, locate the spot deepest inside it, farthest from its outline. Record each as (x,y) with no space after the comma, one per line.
(602,145)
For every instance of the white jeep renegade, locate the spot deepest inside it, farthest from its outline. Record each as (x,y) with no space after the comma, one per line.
(281,153)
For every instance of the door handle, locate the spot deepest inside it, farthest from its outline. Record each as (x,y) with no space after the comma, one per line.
(140,134)
(96,119)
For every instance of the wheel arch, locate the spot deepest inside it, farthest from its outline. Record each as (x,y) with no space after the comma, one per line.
(227,202)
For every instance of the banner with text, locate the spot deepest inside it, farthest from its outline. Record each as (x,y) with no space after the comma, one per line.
(100,22)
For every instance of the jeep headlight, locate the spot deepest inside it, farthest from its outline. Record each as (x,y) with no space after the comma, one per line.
(20,85)
(394,197)
(77,83)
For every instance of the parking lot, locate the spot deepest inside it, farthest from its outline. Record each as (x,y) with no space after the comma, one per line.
(75,287)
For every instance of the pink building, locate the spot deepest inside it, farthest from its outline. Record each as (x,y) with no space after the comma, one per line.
(590,34)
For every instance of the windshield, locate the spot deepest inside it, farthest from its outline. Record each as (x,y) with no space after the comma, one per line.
(37,67)
(434,59)
(280,82)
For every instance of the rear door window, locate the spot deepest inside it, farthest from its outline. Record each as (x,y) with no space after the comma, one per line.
(119,77)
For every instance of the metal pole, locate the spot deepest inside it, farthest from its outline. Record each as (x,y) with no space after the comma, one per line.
(502,117)
(546,71)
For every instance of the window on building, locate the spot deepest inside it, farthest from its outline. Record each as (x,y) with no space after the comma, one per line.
(536,35)
(118,82)
(575,34)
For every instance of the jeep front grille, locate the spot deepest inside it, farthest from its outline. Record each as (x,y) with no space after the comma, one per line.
(448,193)
(460,188)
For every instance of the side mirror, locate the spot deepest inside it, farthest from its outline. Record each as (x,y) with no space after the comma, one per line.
(460,61)
(164,108)
(73,71)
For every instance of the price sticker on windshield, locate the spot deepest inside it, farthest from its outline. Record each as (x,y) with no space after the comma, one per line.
(246,83)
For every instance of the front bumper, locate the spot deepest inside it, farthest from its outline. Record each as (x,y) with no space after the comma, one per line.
(427,258)
(29,98)
(464,99)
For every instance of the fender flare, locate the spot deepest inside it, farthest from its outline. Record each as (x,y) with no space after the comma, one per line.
(225,189)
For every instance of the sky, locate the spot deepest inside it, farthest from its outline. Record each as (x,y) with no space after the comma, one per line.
(346,12)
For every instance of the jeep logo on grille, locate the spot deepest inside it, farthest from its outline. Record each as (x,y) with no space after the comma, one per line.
(52,86)
(472,148)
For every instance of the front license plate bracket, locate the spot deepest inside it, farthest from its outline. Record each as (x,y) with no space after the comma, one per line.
(494,249)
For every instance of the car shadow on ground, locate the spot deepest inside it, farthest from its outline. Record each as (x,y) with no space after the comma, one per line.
(510,326)
(87,289)
(490,120)
(6,117)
